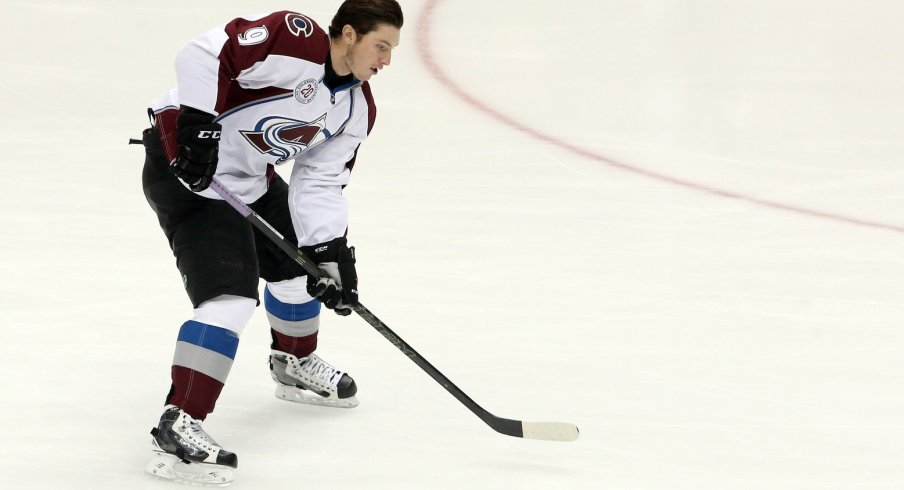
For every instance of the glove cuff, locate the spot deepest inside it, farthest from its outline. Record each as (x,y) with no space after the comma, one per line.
(189,116)
(330,251)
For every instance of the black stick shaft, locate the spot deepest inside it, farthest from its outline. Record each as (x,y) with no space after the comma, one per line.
(509,427)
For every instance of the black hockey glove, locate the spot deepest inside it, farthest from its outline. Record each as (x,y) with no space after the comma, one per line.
(337,289)
(199,145)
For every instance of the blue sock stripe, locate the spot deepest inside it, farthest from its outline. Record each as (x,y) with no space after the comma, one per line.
(220,340)
(290,312)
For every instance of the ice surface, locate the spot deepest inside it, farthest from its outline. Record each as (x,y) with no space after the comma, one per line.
(676,224)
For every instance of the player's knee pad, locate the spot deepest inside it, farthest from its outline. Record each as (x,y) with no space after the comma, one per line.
(226,311)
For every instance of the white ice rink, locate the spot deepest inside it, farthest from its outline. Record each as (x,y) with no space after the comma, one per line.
(678,224)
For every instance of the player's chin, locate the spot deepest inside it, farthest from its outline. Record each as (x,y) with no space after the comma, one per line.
(370,73)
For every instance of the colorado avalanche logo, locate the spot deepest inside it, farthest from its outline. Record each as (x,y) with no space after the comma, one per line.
(285,138)
(299,24)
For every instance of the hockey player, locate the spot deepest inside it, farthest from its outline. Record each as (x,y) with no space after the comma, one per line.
(256,92)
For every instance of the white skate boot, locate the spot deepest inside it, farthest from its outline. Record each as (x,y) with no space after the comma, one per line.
(311,380)
(185,453)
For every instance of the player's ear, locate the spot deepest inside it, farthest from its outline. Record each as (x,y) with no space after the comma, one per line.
(349,35)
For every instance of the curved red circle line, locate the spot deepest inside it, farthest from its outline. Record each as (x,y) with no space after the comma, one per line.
(424,50)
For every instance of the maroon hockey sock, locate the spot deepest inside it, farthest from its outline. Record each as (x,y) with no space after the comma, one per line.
(297,346)
(194,392)
(201,364)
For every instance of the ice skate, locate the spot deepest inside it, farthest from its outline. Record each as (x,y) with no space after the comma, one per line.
(183,452)
(311,380)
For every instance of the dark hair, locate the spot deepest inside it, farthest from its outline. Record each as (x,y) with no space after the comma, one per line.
(364,15)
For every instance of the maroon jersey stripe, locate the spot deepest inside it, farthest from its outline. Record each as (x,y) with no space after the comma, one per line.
(371,106)
(288,34)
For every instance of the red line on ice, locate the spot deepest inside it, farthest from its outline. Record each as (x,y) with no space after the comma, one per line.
(424,49)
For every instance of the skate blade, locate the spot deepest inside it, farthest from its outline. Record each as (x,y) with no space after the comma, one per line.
(169,467)
(298,395)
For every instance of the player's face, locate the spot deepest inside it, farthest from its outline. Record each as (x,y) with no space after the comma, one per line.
(373,51)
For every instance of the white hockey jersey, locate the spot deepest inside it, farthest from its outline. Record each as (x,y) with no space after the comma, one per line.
(268,80)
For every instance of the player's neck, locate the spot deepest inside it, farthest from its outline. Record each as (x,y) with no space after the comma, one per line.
(338,59)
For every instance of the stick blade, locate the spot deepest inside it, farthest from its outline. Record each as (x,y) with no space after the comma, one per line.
(550,431)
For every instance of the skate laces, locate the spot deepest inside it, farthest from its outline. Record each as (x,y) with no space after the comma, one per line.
(190,428)
(320,371)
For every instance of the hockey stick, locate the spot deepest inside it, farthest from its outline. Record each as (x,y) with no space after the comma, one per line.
(547,431)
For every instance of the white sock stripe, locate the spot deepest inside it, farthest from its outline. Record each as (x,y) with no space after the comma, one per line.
(293,291)
(226,311)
